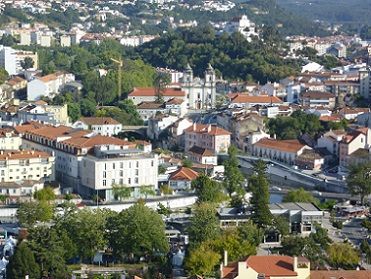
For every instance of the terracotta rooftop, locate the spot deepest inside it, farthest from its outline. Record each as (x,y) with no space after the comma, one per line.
(331,118)
(340,274)
(19,155)
(207,129)
(150,91)
(261,99)
(29,126)
(184,174)
(150,105)
(175,101)
(282,145)
(354,110)
(99,121)
(15,80)
(89,142)
(5,131)
(318,95)
(201,151)
(278,266)
(51,77)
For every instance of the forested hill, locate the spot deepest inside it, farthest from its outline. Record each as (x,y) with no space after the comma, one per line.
(231,55)
(332,11)
(262,12)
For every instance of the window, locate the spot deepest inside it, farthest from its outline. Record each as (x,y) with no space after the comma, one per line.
(121,181)
(136,180)
(113,166)
(121,173)
(137,164)
(104,174)
(152,163)
(113,181)
(104,182)
(121,165)
(136,172)
(129,181)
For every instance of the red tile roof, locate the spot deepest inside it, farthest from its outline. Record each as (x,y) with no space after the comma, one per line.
(184,174)
(207,129)
(150,91)
(20,155)
(201,151)
(99,121)
(282,145)
(272,265)
(261,99)
(318,95)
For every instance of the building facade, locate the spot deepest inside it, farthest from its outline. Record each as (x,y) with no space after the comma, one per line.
(105,126)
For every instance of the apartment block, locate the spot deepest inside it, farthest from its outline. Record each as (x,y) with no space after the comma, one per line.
(11,59)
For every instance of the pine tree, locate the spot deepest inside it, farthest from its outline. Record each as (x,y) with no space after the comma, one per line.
(23,263)
(259,188)
(233,176)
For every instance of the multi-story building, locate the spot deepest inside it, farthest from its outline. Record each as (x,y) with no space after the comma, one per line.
(315,98)
(105,126)
(244,26)
(65,40)
(354,140)
(9,139)
(26,165)
(202,156)
(331,141)
(48,85)
(286,151)
(302,217)
(181,179)
(365,82)
(110,165)
(82,157)
(11,59)
(245,100)
(207,136)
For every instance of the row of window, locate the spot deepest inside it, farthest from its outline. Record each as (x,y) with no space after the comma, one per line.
(23,171)
(121,181)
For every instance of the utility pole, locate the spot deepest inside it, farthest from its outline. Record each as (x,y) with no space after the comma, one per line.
(119,63)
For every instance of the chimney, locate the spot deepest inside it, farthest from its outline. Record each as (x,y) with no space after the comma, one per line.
(295,263)
(225,258)
(209,128)
(194,126)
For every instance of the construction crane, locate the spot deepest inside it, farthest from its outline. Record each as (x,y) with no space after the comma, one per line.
(119,68)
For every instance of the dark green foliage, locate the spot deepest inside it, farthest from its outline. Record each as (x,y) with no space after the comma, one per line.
(233,177)
(290,127)
(3,75)
(137,230)
(29,213)
(366,32)
(207,190)
(231,55)
(23,263)
(299,195)
(7,40)
(259,188)
(204,224)
(27,63)
(359,180)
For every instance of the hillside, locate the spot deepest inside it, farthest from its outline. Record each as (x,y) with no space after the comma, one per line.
(332,11)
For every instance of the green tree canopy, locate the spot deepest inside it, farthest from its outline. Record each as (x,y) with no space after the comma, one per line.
(3,75)
(233,178)
(204,224)
(359,180)
(137,230)
(23,263)
(343,255)
(259,188)
(45,194)
(202,261)
(29,213)
(299,195)
(207,190)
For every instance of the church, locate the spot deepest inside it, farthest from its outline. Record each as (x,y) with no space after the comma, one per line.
(200,93)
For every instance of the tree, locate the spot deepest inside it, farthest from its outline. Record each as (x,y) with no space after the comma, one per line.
(88,107)
(259,188)
(74,111)
(7,40)
(359,180)
(137,231)
(46,194)
(23,263)
(121,192)
(166,189)
(187,163)
(3,75)
(27,63)
(299,195)
(207,190)
(147,190)
(250,232)
(343,255)
(29,213)
(204,224)
(281,224)
(233,177)
(160,83)
(202,261)
(163,210)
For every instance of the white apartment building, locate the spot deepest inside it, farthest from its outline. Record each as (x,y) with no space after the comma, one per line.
(65,41)
(365,82)
(48,85)
(9,139)
(78,157)
(11,59)
(105,126)
(135,41)
(16,192)
(26,165)
(110,165)
(331,141)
